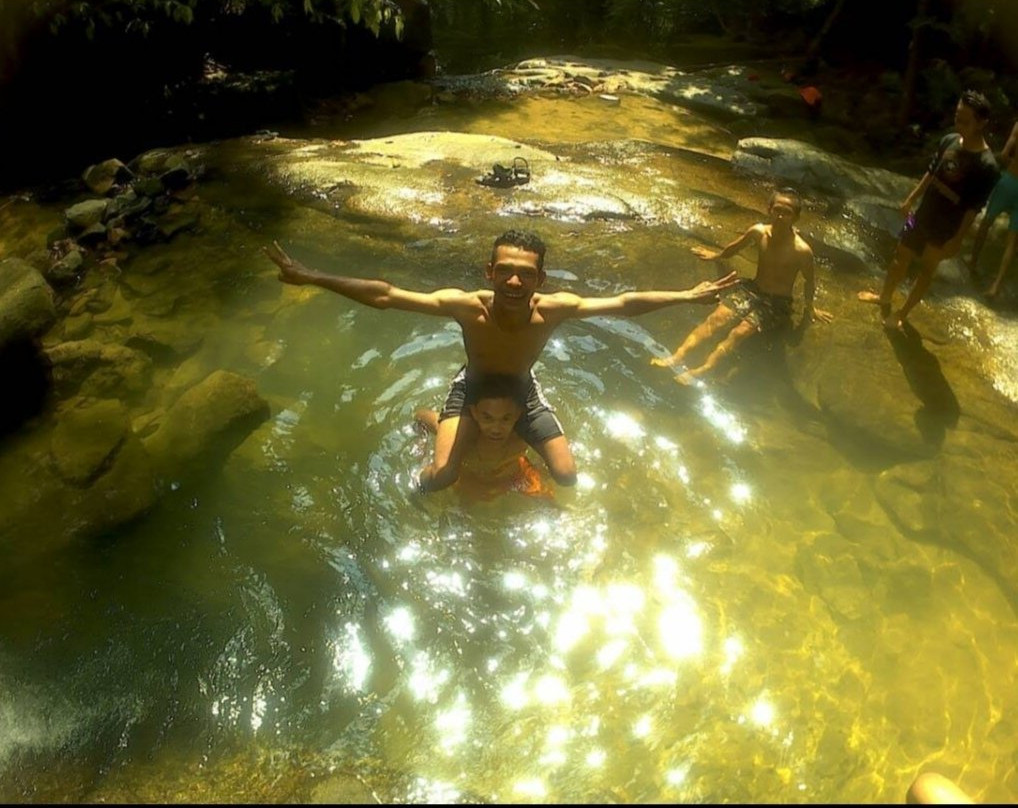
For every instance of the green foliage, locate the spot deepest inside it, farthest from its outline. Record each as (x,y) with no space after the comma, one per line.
(141,15)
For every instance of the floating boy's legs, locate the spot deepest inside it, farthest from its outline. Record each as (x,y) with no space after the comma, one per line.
(1005,263)
(927,266)
(727,345)
(451,435)
(716,320)
(895,275)
(559,458)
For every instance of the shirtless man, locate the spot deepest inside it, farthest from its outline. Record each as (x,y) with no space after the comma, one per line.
(764,303)
(504,330)
(955,186)
(495,460)
(1003,198)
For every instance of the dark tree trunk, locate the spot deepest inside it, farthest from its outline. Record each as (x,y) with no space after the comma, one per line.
(813,51)
(912,66)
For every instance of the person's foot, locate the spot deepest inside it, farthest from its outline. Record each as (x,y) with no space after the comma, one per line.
(869,296)
(667,362)
(686,378)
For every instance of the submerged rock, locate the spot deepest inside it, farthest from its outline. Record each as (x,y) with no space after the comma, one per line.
(26,301)
(79,477)
(91,367)
(207,422)
(87,438)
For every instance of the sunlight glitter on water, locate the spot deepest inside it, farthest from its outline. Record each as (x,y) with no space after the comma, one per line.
(452,725)
(531,642)
(400,624)
(723,420)
(351,658)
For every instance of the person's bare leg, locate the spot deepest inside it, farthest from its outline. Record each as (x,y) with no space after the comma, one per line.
(452,435)
(927,266)
(977,244)
(717,319)
(896,272)
(428,419)
(727,345)
(1005,263)
(558,457)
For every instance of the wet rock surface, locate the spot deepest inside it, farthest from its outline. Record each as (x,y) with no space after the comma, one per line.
(162,350)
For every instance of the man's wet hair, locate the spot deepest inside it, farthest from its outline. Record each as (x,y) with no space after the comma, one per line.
(496,385)
(978,103)
(793,197)
(525,240)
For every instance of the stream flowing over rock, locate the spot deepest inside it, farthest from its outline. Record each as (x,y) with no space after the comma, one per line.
(136,335)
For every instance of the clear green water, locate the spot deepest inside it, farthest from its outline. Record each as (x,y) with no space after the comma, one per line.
(720,611)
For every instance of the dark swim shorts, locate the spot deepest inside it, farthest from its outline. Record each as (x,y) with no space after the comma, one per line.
(765,311)
(920,231)
(537,425)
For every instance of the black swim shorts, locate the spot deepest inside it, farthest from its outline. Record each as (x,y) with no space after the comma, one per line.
(767,312)
(536,426)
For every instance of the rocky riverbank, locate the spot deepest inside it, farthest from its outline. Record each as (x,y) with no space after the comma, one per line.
(139,399)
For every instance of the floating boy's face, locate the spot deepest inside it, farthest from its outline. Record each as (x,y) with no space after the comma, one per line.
(966,122)
(514,274)
(784,211)
(496,417)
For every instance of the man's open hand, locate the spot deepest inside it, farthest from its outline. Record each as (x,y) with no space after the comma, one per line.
(290,271)
(708,291)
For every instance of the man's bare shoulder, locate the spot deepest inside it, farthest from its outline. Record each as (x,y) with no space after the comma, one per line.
(556,301)
(468,299)
(802,247)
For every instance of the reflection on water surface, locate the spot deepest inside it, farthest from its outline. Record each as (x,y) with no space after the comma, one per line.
(720,611)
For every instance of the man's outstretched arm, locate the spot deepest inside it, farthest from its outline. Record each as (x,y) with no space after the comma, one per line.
(751,236)
(565,306)
(378,294)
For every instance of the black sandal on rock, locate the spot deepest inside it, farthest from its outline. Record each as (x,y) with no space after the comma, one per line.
(502,177)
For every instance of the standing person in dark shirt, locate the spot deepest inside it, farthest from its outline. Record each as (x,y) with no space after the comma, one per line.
(954,188)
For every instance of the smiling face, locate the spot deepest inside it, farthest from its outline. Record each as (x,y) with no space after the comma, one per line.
(515,274)
(496,417)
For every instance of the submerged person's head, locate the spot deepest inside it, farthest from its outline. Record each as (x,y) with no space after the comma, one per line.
(971,114)
(784,207)
(516,269)
(496,402)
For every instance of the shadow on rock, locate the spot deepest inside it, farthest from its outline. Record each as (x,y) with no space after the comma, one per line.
(28,379)
(940,409)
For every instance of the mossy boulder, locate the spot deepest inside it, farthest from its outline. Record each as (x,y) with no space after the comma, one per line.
(207,422)
(26,301)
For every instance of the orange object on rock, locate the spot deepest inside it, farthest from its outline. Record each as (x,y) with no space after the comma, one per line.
(811,95)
